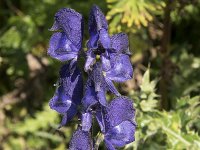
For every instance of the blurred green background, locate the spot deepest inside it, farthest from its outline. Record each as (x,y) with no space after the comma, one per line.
(164,38)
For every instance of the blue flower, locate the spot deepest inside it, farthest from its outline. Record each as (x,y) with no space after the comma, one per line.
(100,81)
(100,43)
(119,123)
(116,119)
(116,122)
(65,45)
(113,51)
(96,87)
(68,95)
(81,140)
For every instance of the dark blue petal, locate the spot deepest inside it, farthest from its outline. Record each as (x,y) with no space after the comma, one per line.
(121,68)
(86,121)
(120,109)
(72,81)
(98,30)
(97,21)
(61,48)
(121,134)
(101,95)
(104,39)
(81,140)
(71,22)
(71,112)
(97,77)
(111,87)
(69,93)
(93,42)
(99,83)
(90,97)
(100,118)
(109,145)
(78,88)
(120,43)
(90,60)
(60,102)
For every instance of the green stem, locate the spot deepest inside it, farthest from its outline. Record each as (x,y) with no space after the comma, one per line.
(176,136)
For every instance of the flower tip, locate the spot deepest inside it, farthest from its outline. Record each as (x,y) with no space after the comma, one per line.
(55,27)
(95,6)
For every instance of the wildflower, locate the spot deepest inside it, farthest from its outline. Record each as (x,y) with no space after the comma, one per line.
(100,43)
(113,51)
(68,95)
(116,122)
(119,123)
(81,140)
(116,119)
(66,44)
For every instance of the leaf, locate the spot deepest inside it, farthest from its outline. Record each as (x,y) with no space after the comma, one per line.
(42,120)
(134,12)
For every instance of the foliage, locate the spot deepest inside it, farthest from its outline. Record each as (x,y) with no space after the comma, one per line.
(177,129)
(132,13)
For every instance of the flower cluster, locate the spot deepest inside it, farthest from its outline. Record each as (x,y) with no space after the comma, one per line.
(106,61)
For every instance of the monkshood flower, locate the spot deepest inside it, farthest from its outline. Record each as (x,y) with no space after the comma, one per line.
(113,51)
(68,95)
(116,122)
(100,81)
(95,93)
(95,88)
(100,43)
(65,44)
(116,118)
(119,123)
(81,140)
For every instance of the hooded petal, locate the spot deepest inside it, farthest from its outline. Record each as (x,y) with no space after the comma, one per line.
(60,101)
(98,29)
(120,135)
(120,43)
(81,140)
(69,93)
(72,81)
(71,22)
(121,68)
(97,21)
(90,97)
(71,112)
(61,48)
(120,109)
